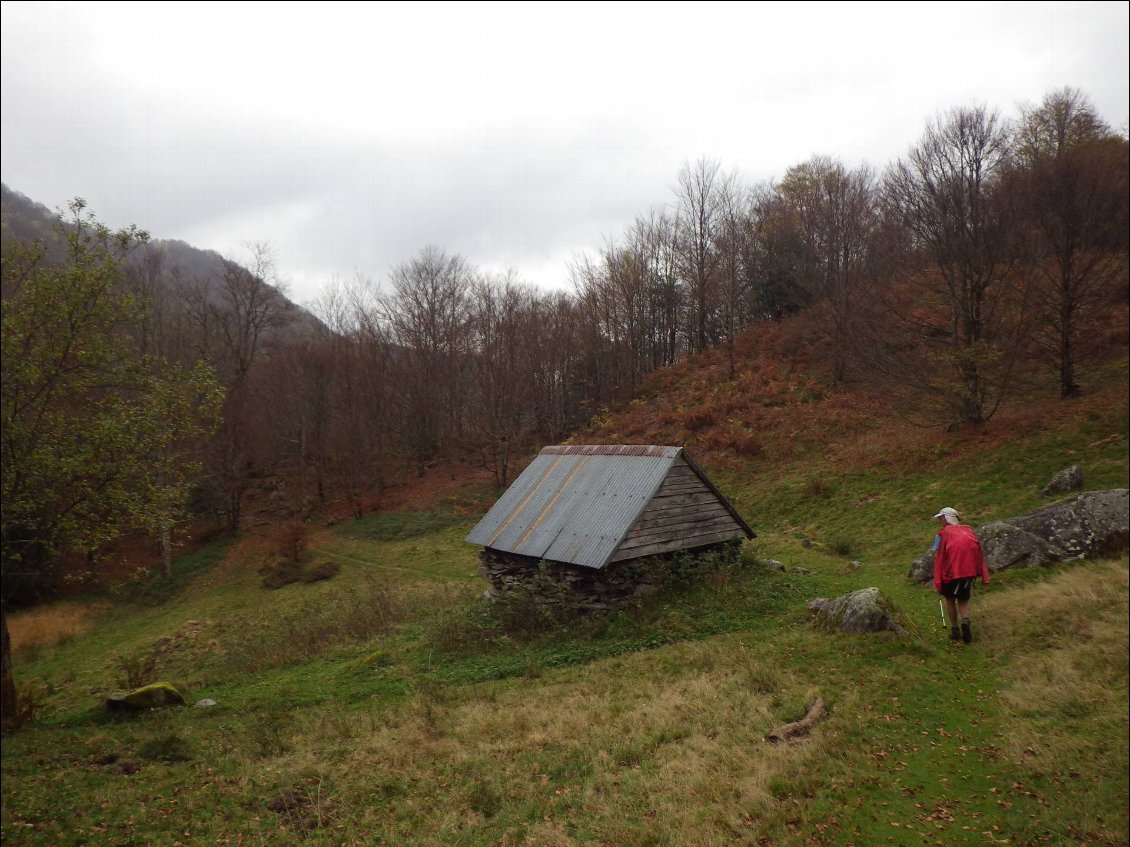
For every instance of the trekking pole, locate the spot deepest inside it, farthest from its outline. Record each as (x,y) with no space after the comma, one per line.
(942,612)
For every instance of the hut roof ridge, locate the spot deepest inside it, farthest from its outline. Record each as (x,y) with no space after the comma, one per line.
(576,502)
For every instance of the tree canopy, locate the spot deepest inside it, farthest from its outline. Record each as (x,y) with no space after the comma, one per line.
(91,425)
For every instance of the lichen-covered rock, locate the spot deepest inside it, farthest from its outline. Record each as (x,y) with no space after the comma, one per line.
(1092,524)
(1096,523)
(866,610)
(922,568)
(1068,479)
(147,697)
(1007,546)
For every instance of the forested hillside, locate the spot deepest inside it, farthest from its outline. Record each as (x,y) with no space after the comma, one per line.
(845,350)
(987,266)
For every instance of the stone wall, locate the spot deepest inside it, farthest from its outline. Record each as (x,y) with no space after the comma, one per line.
(615,585)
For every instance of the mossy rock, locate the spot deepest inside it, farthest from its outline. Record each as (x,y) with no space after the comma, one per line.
(866,610)
(147,697)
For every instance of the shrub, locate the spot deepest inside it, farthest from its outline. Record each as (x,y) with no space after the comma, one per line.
(136,671)
(817,489)
(280,572)
(323,570)
(526,611)
(270,735)
(734,438)
(290,540)
(18,704)
(697,419)
(167,748)
(842,545)
(745,443)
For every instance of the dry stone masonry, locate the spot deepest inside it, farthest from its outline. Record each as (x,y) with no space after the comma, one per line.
(614,586)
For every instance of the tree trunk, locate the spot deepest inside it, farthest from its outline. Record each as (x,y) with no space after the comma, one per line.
(7,684)
(233,510)
(167,550)
(1067,385)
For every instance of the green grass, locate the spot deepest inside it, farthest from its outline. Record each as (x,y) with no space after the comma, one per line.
(385,706)
(158,589)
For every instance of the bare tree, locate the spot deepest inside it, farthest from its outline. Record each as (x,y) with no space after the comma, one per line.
(1065,119)
(733,229)
(560,392)
(428,318)
(236,316)
(361,402)
(597,330)
(1076,201)
(952,197)
(837,211)
(652,238)
(503,369)
(697,193)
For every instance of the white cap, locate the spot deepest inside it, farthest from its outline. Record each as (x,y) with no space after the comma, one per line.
(949,514)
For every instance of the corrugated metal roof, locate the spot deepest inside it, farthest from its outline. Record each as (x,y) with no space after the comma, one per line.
(575,503)
(612,450)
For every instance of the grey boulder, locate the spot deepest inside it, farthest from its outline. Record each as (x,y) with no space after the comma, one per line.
(1092,524)
(1006,545)
(1088,525)
(922,568)
(1068,479)
(865,610)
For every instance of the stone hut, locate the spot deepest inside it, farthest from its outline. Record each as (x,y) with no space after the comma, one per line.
(594,525)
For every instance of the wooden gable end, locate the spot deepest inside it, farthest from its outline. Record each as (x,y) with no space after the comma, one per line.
(684,513)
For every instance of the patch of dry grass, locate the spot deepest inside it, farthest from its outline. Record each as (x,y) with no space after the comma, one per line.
(47,626)
(1066,642)
(627,751)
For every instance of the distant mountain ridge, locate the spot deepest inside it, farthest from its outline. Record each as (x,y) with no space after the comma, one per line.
(24,219)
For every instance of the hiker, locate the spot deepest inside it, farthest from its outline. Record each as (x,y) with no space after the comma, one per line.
(957,562)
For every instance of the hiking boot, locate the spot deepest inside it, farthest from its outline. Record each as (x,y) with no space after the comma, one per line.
(966,632)
(955,634)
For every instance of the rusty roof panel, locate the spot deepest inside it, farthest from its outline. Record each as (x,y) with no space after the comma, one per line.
(612,450)
(600,521)
(508,519)
(575,504)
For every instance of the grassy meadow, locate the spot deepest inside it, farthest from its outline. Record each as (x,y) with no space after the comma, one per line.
(388,706)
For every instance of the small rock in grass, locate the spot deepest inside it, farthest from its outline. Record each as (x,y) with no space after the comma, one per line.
(866,610)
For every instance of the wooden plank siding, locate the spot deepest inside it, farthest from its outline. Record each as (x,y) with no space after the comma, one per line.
(684,513)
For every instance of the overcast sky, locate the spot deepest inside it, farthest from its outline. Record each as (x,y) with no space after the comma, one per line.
(518,135)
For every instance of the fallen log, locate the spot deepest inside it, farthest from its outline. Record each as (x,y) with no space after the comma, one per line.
(817,711)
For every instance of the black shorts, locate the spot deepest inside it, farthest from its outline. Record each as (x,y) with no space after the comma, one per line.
(957,589)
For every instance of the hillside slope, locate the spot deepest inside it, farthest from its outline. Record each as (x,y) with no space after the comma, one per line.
(388,706)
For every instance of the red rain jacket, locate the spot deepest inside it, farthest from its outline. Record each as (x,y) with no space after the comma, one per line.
(958,556)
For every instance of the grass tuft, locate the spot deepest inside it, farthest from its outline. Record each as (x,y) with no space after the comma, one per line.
(51,625)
